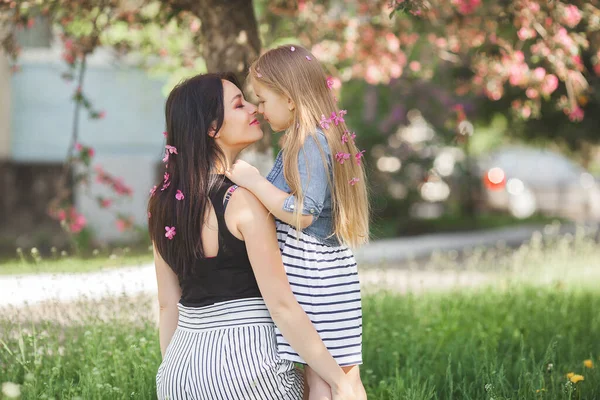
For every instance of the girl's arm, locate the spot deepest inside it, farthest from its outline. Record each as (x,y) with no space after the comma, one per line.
(276,201)
(169,294)
(313,177)
(258,230)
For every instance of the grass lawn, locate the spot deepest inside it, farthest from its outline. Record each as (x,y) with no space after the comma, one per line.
(516,338)
(33,263)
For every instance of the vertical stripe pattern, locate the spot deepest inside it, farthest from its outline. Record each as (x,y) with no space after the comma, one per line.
(325,281)
(228,351)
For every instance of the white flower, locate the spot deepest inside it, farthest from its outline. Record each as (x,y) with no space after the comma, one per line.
(11,390)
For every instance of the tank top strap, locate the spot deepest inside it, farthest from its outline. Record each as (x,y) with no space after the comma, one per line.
(220,199)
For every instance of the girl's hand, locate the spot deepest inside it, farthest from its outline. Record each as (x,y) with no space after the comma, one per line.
(343,390)
(243,174)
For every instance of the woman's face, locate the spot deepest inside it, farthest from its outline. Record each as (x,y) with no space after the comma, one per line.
(240,126)
(275,108)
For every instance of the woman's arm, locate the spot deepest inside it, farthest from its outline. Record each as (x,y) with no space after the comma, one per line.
(169,294)
(258,230)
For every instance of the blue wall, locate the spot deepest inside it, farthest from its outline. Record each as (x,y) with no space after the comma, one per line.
(42,112)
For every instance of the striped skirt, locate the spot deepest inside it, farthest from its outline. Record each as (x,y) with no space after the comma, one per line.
(226,350)
(324,280)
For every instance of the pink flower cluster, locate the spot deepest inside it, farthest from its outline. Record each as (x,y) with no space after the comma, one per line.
(335,118)
(71,218)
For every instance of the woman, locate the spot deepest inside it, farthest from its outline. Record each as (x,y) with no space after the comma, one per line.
(221,281)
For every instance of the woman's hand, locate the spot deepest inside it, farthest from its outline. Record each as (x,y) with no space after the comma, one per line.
(243,174)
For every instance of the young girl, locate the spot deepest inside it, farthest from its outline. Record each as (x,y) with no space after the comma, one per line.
(317,193)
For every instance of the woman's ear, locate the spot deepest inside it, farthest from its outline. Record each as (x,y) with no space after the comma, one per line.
(212,131)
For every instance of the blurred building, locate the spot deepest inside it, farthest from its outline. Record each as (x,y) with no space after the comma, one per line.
(36,117)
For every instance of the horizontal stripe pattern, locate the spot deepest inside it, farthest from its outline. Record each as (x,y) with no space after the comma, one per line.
(325,281)
(226,351)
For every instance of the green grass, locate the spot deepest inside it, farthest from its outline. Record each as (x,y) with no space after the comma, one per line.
(31,262)
(524,332)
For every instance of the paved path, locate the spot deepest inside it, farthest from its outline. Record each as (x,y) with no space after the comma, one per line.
(22,289)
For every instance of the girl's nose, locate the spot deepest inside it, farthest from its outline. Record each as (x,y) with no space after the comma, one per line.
(252,108)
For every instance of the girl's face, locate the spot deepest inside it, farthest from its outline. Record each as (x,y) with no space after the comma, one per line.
(240,126)
(276,108)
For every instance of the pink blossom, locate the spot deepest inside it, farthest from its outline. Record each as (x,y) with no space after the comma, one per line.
(165,133)
(519,56)
(91,152)
(61,215)
(102,114)
(179,195)
(149,214)
(539,73)
(78,146)
(517,74)
(341,157)
(324,122)
(359,155)
(597,69)
(576,115)
(550,84)
(532,93)
(337,119)
(121,225)
(78,224)
(466,6)
(347,136)
(166,176)
(526,33)
(152,191)
(353,181)
(330,82)
(526,112)
(415,66)
(534,7)
(166,157)
(165,186)
(171,149)
(572,16)
(292,48)
(308,58)
(170,232)
(373,75)
(121,188)
(258,75)
(105,203)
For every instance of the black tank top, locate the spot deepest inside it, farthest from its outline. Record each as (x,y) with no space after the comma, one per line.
(228,275)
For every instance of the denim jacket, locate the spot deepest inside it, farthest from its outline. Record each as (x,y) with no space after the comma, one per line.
(315,187)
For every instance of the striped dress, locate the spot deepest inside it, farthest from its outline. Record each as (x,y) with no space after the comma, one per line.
(226,351)
(324,280)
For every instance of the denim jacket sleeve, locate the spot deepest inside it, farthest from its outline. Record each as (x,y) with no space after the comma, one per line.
(313,176)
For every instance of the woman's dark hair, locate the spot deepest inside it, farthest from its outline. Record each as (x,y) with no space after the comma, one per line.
(191,108)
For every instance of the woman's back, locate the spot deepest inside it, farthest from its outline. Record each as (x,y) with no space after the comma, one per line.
(225,272)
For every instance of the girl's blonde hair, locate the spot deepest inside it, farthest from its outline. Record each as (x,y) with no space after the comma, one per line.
(294,72)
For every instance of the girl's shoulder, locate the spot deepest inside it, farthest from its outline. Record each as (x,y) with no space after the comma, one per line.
(310,143)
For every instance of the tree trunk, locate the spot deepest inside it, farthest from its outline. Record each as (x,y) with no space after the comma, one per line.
(230,42)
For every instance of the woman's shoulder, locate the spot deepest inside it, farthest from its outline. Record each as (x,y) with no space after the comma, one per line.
(245,205)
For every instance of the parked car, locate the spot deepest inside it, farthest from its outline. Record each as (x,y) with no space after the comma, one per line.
(525,180)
